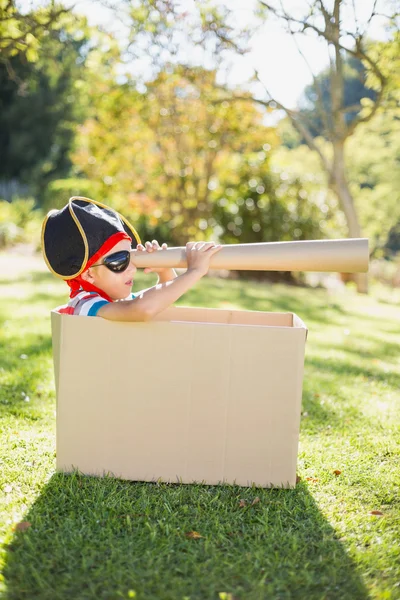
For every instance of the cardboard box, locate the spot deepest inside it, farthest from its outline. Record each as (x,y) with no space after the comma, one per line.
(203,395)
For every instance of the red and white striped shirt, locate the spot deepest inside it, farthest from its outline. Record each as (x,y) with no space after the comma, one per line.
(86,304)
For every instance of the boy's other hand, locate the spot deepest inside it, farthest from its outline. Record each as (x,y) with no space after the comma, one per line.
(198,255)
(164,273)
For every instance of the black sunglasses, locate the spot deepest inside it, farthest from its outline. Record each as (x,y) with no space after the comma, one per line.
(117,262)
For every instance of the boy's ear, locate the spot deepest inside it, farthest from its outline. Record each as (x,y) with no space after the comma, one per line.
(87,275)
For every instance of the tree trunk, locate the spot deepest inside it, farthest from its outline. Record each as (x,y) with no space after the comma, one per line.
(338,183)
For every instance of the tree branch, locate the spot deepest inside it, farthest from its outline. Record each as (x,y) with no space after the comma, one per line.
(352,108)
(325,13)
(372,12)
(294,117)
(355,17)
(33,28)
(332,34)
(22,85)
(320,104)
(364,119)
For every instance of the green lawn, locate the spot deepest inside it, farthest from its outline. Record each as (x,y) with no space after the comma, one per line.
(75,537)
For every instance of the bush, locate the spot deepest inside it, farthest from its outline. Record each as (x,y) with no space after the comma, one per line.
(258,205)
(386,271)
(60,191)
(20,222)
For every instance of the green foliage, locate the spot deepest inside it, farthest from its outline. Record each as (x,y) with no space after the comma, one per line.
(59,191)
(301,165)
(37,122)
(171,154)
(262,205)
(20,32)
(393,242)
(157,153)
(288,135)
(317,98)
(374,176)
(166,33)
(387,56)
(19,222)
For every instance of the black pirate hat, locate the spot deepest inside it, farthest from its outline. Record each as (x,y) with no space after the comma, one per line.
(72,236)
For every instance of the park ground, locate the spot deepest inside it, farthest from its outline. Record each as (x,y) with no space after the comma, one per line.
(335,536)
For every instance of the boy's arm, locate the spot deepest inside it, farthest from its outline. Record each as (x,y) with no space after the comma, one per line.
(151,301)
(154,300)
(167,275)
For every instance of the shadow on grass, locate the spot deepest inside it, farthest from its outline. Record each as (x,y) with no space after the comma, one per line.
(211,292)
(344,368)
(378,349)
(97,539)
(270,298)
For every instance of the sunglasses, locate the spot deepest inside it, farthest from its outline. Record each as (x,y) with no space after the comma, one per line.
(117,262)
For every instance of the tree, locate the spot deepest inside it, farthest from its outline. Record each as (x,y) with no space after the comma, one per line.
(256,203)
(374,176)
(317,111)
(328,25)
(37,125)
(170,32)
(372,172)
(159,152)
(20,32)
(162,29)
(388,54)
(194,134)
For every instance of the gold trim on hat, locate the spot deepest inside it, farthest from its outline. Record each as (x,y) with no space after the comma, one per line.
(42,243)
(84,238)
(131,227)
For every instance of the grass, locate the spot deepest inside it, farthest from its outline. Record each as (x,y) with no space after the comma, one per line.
(76,537)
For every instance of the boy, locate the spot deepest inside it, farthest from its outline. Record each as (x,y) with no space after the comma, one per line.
(89,246)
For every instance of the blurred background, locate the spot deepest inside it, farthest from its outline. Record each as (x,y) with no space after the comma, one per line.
(240,121)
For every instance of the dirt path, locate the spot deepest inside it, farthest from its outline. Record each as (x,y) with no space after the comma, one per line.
(20,259)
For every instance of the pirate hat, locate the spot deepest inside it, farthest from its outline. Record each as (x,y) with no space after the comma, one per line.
(72,236)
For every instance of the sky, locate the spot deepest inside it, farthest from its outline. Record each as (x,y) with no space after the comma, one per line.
(274,53)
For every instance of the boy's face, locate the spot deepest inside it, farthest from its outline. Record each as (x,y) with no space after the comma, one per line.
(116,285)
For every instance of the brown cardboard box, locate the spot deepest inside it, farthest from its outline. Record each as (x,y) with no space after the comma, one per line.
(200,394)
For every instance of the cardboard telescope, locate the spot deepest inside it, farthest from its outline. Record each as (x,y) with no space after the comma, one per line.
(343,256)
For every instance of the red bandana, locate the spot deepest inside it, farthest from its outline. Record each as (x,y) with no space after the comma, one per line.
(78,284)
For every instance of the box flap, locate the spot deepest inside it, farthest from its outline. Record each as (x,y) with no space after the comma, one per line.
(225,316)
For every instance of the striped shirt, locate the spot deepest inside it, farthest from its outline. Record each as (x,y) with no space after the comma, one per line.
(86,304)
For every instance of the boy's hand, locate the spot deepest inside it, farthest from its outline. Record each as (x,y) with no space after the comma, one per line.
(198,255)
(164,273)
